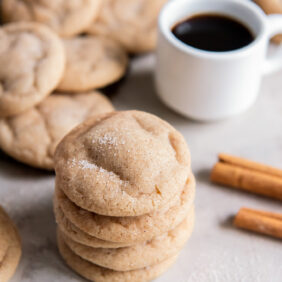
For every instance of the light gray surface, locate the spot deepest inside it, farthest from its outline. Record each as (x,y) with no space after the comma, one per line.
(217,251)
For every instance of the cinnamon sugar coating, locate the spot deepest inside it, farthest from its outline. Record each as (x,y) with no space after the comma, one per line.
(122,164)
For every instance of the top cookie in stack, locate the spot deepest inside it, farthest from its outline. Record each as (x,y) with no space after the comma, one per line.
(124,197)
(122,164)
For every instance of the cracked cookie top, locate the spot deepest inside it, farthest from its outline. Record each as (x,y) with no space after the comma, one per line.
(32,137)
(122,164)
(65,17)
(92,62)
(32,62)
(132,23)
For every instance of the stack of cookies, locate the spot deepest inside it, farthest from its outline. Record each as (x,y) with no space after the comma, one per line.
(124,197)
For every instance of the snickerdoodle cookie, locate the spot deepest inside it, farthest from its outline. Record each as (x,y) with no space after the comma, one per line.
(124,230)
(92,62)
(97,273)
(122,164)
(32,137)
(32,60)
(272,7)
(77,235)
(140,255)
(132,23)
(10,247)
(66,17)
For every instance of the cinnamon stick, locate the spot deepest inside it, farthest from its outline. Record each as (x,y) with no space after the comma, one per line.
(224,158)
(262,222)
(249,176)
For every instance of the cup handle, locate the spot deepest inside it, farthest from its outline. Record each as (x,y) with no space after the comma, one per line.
(274,61)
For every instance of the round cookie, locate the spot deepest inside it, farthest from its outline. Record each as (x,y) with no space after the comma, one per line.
(96,273)
(128,230)
(140,255)
(77,235)
(92,62)
(131,23)
(32,137)
(272,7)
(66,17)
(32,59)
(122,164)
(10,247)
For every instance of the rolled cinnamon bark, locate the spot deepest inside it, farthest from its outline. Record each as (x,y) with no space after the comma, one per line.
(266,223)
(249,176)
(224,158)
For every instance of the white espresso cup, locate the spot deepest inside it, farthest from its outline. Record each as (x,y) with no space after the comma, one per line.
(207,85)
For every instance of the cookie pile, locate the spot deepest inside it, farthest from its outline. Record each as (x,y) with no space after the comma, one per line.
(10,247)
(124,197)
(67,49)
(130,23)
(34,116)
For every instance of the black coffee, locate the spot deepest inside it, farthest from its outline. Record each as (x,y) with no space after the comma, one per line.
(213,32)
